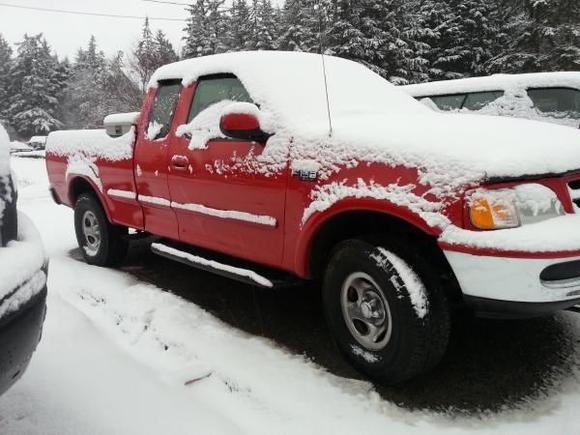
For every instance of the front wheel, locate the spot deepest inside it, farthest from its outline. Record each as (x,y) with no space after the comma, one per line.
(385,310)
(102,243)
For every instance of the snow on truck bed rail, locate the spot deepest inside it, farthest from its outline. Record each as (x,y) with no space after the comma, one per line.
(91,143)
(376,122)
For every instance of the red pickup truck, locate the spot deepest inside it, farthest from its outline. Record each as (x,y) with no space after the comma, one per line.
(267,168)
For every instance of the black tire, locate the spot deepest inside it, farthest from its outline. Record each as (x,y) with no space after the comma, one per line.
(113,245)
(419,333)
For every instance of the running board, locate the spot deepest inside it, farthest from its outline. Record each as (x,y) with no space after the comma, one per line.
(221,265)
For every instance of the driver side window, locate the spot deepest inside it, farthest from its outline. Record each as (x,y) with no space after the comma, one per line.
(213,89)
(161,115)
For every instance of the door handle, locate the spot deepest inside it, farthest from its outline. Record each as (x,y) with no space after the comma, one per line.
(180,163)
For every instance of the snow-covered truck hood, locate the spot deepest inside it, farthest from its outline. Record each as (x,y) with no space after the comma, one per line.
(492,147)
(374,121)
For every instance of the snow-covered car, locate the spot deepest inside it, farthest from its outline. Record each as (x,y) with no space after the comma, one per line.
(23,277)
(243,165)
(19,147)
(550,97)
(37,142)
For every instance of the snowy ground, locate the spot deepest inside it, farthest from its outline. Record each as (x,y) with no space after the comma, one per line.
(120,356)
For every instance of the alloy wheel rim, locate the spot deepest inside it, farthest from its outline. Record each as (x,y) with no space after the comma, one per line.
(91,233)
(366,312)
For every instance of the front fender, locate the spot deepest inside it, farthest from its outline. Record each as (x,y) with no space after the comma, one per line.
(318,220)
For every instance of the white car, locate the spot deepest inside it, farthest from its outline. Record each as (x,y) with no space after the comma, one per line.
(23,278)
(550,97)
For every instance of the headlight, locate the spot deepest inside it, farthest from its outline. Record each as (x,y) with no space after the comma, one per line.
(509,208)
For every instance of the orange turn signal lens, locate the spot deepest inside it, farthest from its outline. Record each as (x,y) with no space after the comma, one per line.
(493,210)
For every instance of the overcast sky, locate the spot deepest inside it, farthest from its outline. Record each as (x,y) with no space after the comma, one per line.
(66,33)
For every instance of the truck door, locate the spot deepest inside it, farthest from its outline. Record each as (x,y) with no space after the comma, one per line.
(151,160)
(223,198)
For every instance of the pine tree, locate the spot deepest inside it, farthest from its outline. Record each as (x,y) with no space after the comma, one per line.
(544,35)
(478,37)
(206,29)
(238,26)
(300,26)
(264,35)
(92,58)
(145,55)
(164,50)
(34,88)
(5,65)
(438,30)
(98,87)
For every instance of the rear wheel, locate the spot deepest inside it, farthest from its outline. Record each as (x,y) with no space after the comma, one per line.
(102,243)
(386,310)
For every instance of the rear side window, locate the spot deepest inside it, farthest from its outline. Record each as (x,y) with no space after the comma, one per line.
(449,102)
(163,109)
(213,89)
(556,100)
(478,100)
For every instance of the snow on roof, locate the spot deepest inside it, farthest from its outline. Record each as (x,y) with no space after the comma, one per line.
(374,121)
(4,152)
(496,82)
(130,118)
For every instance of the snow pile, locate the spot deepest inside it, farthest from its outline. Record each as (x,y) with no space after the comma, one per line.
(21,261)
(91,144)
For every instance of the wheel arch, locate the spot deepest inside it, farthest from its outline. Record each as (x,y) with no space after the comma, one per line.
(369,223)
(79,185)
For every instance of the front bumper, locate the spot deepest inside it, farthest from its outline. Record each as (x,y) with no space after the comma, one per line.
(522,272)
(504,286)
(20,332)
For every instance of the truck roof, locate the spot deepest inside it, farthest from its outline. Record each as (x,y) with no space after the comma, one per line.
(496,82)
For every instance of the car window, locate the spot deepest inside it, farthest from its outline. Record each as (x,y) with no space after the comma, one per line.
(557,100)
(211,90)
(478,100)
(163,109)
(449,102)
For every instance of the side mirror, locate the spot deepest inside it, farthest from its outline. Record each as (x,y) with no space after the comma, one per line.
(243,126)
(119,124)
